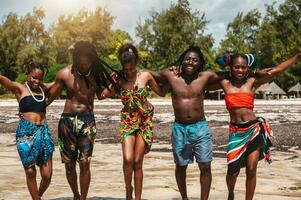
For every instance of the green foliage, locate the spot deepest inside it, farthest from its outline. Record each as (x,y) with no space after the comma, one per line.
(273,38)
(92,26)
(21,78)
(52,71)
(241,33)
(23,39)
(163,37)
(118,38)
(168,33)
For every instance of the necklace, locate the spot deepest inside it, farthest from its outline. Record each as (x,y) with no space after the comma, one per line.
(86,75)
(37,100)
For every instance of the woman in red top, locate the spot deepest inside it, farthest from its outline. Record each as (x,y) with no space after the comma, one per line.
(249,138)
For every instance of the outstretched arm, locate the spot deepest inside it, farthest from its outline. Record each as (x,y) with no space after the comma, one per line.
(14,87)
(271,74)
(161,91)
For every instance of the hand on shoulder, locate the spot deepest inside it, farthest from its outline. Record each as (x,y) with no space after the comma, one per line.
(175,70)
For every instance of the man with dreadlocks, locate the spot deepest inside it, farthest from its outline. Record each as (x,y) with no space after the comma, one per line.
(191,136)
(76,129)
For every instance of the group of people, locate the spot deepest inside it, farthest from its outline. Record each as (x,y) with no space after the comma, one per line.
(249,137)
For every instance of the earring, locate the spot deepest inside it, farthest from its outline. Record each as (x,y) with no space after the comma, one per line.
(230,74)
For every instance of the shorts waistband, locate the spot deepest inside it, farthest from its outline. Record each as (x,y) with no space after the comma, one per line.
(74,114)
(197,122)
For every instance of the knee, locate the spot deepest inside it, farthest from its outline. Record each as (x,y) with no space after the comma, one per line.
(70,167)
(138,164)
(251,172)
(205,169)
(30,173)
(84,166)
(46,177)
(231,177)
(128,161)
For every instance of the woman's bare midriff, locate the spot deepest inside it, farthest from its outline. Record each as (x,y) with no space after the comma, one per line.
(36,118)
(241,115)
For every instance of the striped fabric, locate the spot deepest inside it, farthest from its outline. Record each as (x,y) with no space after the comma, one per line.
(244,140)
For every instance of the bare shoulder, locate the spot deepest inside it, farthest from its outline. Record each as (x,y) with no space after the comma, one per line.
(144,72)
(207,73)
(145,75)
(170,72)
(251,80)
(65,72)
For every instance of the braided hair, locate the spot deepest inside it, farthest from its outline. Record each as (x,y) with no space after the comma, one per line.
(99,72)
(196,50)
(128,53)
(29,66)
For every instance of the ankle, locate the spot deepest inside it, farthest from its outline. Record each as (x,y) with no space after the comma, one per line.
(76,197)
(231,195)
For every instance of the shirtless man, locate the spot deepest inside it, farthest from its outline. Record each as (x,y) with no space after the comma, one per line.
(76,129)
(191,136)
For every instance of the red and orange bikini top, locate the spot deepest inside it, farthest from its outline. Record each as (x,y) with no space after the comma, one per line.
(239,100)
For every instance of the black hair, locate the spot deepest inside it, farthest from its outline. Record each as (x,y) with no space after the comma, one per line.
(30,65)
(99,72)
(194,49)
(128,53)
(238,55)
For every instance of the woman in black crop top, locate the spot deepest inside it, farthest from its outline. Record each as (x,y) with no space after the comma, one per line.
(33,138)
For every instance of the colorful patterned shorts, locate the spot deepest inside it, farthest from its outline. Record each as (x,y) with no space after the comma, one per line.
(76,134)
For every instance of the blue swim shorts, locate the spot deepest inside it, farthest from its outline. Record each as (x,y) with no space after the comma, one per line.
(191,140)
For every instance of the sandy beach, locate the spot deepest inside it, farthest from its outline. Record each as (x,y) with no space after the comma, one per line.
(279,181)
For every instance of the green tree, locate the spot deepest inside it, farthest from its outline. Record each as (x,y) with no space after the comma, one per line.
(119,37)
(279,39)
(241,33)
(92,26)
(23,39)
(165,35)
(10,43)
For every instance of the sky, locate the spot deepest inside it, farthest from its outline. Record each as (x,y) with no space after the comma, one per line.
(129,12)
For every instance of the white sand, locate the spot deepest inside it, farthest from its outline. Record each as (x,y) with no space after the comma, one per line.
(273,183)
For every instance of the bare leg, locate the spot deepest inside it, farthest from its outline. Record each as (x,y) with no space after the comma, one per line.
(46,174)
(85,178)
(140,147)
(72,178)
(205,179)
(251,168)
(231,180)
(181,180)
(32,182)
(128,163)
